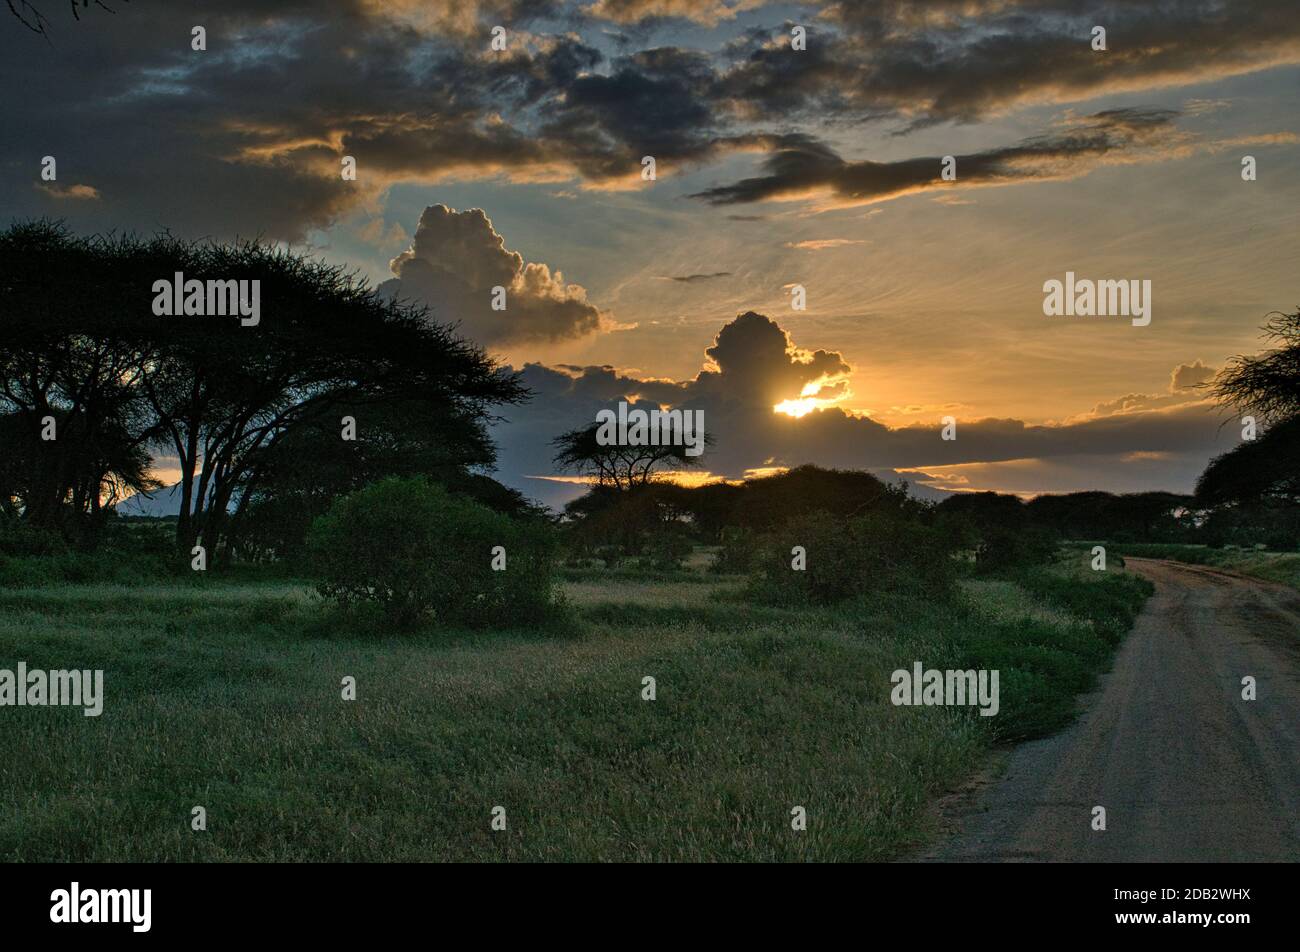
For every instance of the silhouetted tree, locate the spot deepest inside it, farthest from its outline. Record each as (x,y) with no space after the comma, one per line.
(299,477)
(76,424)
(1268,384)
(1253,491)
(219,396)
(1260,471)
(30,14)
(622,466)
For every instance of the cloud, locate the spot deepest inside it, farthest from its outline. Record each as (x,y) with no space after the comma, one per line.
(1262,138)
(753,364)
(411,89)
(82,192)
(705,12)
(691,278)
(963,60)
(1190,376)
(803,168)
(820,244)
(1113,472)
(1184,390)
(455,261)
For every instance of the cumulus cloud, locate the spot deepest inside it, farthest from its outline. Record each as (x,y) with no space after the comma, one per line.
(1190,376)
(754,362)
(455,261)
(1184,389)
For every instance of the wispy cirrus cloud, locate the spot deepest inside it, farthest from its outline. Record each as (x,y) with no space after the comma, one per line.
(821,244)
(693,278)
(74,192)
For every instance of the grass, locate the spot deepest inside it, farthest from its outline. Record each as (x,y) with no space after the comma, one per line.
(227,695)
(1281,567)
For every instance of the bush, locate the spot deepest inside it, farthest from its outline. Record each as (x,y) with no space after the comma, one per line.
(20,540)
(413,549)
(126,555)
(736,554)
(874,553)
(1001,549)
(668,548)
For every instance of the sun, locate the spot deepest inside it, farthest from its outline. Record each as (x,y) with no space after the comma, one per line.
(796,408)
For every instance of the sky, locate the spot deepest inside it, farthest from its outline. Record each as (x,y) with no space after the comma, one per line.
(793,145)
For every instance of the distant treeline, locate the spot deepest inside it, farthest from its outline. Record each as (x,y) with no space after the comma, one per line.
(658,522)
(1249,496)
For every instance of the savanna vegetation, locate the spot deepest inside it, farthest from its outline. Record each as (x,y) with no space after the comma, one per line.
(225,692)
(660,672)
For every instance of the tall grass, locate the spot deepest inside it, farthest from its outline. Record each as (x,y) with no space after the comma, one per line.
(1281,567)
(227,696)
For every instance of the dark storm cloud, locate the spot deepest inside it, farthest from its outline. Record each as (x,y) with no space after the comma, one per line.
(247,136)
(959,60)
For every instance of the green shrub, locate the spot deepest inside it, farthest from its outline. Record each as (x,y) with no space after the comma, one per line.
(736,554)
(874,553)
(667,548)
(125,555)
(1003,548)
(414,549)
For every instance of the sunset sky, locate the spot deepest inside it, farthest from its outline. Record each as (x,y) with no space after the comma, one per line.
(775,166)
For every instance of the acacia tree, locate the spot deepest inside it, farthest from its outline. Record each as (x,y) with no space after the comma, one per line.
(1268,384)
(1262,471)
(215,394)
(617,465)
(326,346)
(30,14)
(76,426)
(300,476)
(1254,489)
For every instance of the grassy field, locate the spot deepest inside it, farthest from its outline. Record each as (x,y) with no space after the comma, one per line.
(227,695)
(1281,567)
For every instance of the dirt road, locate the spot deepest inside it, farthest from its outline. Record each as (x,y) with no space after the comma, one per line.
(1186,769)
